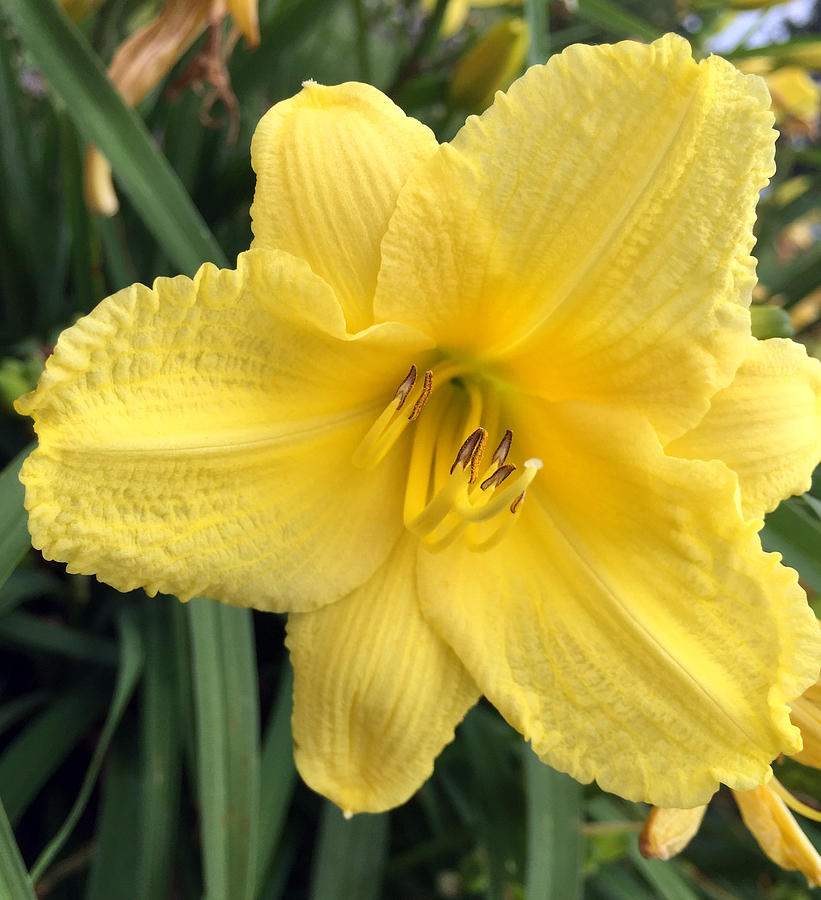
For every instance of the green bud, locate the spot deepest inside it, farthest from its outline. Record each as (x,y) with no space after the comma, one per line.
(770,321)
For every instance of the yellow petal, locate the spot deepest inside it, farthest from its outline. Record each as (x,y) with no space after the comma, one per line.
(778,834)
(805,712)
(630,625)
(668,831)
(246,15)
(599,216)
(196,439)
(329,163)
(376,693)
(766,426)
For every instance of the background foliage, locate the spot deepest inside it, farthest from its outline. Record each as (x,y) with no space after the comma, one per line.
(145,746)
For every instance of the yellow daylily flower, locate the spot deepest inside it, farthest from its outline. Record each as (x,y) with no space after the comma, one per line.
(555,304)
(145,58)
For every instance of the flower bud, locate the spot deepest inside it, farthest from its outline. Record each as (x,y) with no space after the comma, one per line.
(667,832)
(490,65)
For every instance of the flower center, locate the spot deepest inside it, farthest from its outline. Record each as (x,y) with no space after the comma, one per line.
(452,489)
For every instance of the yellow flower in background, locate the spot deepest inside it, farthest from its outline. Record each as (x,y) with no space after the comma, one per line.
(796,100)
(483,417)
(667,832)
(146,57)
(796,96)
(490,65)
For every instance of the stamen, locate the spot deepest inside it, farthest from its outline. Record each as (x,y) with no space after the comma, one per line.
(427,387)
(476,459)
(405,388)
(487,509)
(501,452)
(498,476)
(468,448)
(517,502)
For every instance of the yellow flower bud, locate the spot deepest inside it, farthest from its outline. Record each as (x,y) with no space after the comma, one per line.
(667,832)
(490,65)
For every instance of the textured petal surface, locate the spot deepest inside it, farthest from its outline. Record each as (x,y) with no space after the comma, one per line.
(606,626)
(330,162)
(376,693)
(196,439)
(598,218)
(778,834)
(766,426)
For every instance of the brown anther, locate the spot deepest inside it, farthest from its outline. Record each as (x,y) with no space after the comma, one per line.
(497,477)
(517,502)
(501,452)
(423,397)
(476,459)
(466,451)
(405,388)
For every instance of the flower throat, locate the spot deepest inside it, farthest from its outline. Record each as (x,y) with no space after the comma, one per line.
(452,489)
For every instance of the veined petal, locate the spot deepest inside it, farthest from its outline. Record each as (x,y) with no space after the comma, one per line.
(605,627)
(196,438)
(246,15)
(377,693)
(778,834)
(330,162)
(766,426)
(593,229)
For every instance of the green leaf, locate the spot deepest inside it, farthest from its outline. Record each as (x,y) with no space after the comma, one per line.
(38,751)
(25,630)
(611,16)
(15,883)
(161,759)
(225,695)
(131,659)
(278,777)
(103,118)
(114,863)
(555,843)
(538,49)
(15,710)
(349,860)
(14,535)
(795,532)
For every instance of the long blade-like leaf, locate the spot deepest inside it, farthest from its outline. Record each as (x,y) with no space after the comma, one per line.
(15,883)
(225,694)
(349,860)
(554,837)
(14,536)
(131,659)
